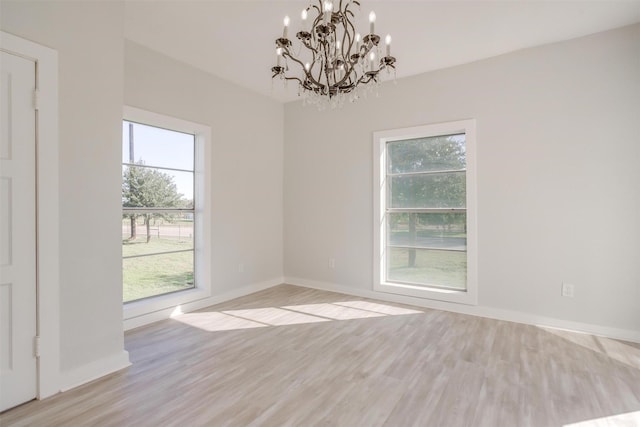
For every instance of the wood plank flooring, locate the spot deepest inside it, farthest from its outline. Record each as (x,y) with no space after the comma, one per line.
(291,356)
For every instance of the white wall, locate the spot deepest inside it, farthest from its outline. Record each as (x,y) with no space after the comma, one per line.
(247,135)
(88,38)
(558,177)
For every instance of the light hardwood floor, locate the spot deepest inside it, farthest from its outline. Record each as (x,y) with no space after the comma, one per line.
(291,356)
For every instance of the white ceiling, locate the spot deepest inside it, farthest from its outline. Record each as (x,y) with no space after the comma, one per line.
(235,39)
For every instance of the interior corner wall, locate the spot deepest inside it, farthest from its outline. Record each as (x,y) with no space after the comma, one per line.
(558,177)
(89,39)
(247,157)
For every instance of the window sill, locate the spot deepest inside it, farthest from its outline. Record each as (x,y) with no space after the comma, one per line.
(149,305)
(447,295)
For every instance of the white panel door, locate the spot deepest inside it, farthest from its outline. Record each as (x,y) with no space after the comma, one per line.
(18,380)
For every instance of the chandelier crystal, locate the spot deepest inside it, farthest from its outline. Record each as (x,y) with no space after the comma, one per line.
(333,62)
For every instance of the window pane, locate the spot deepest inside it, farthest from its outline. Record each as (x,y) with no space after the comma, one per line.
(437,153)
(425,267)
(428,230)
(156,188)
(166,233)
(446,190)
(156,274)
(154,146)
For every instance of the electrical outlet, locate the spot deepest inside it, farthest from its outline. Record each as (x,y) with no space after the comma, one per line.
(567,290)
(332,263)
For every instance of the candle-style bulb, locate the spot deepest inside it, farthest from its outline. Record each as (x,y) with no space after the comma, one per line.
(304,14)
(328,9)
(372,22)
(307,66)
(285,32)
(387,40)
(328,6)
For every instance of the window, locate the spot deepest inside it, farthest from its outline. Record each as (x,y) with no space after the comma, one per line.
(164,224)
(425,212)
(157,211)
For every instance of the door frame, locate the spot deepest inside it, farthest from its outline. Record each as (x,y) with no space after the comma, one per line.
(47,210)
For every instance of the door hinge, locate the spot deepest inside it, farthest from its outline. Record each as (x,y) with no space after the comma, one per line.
(36,99)
(36,346)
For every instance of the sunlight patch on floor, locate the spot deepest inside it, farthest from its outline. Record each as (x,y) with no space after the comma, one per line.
(226,320)
(378,308)
(274,316)
(630,419)
(216,321)
(334,311)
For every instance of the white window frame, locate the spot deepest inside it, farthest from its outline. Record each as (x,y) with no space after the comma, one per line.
(380,140)
(202,214)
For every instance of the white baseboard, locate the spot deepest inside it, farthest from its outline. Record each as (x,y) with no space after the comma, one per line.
(492,313)
(166,313)
(94,370)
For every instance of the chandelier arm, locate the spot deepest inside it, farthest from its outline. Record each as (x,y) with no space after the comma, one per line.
(314,35)
(318,8)
(294,59)
(368,77)
(314,55)
(353,28)
(307,44)
(294,78)
(346,6)
(307,73)
(314,82)
(349,12)
(318,18)
(324,63)
(344,36)
(348,70)
(351,65)
(348,74)
(314,52)
(327,70)
(347,66)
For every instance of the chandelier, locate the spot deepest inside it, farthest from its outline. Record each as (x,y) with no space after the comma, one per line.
(333,61)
